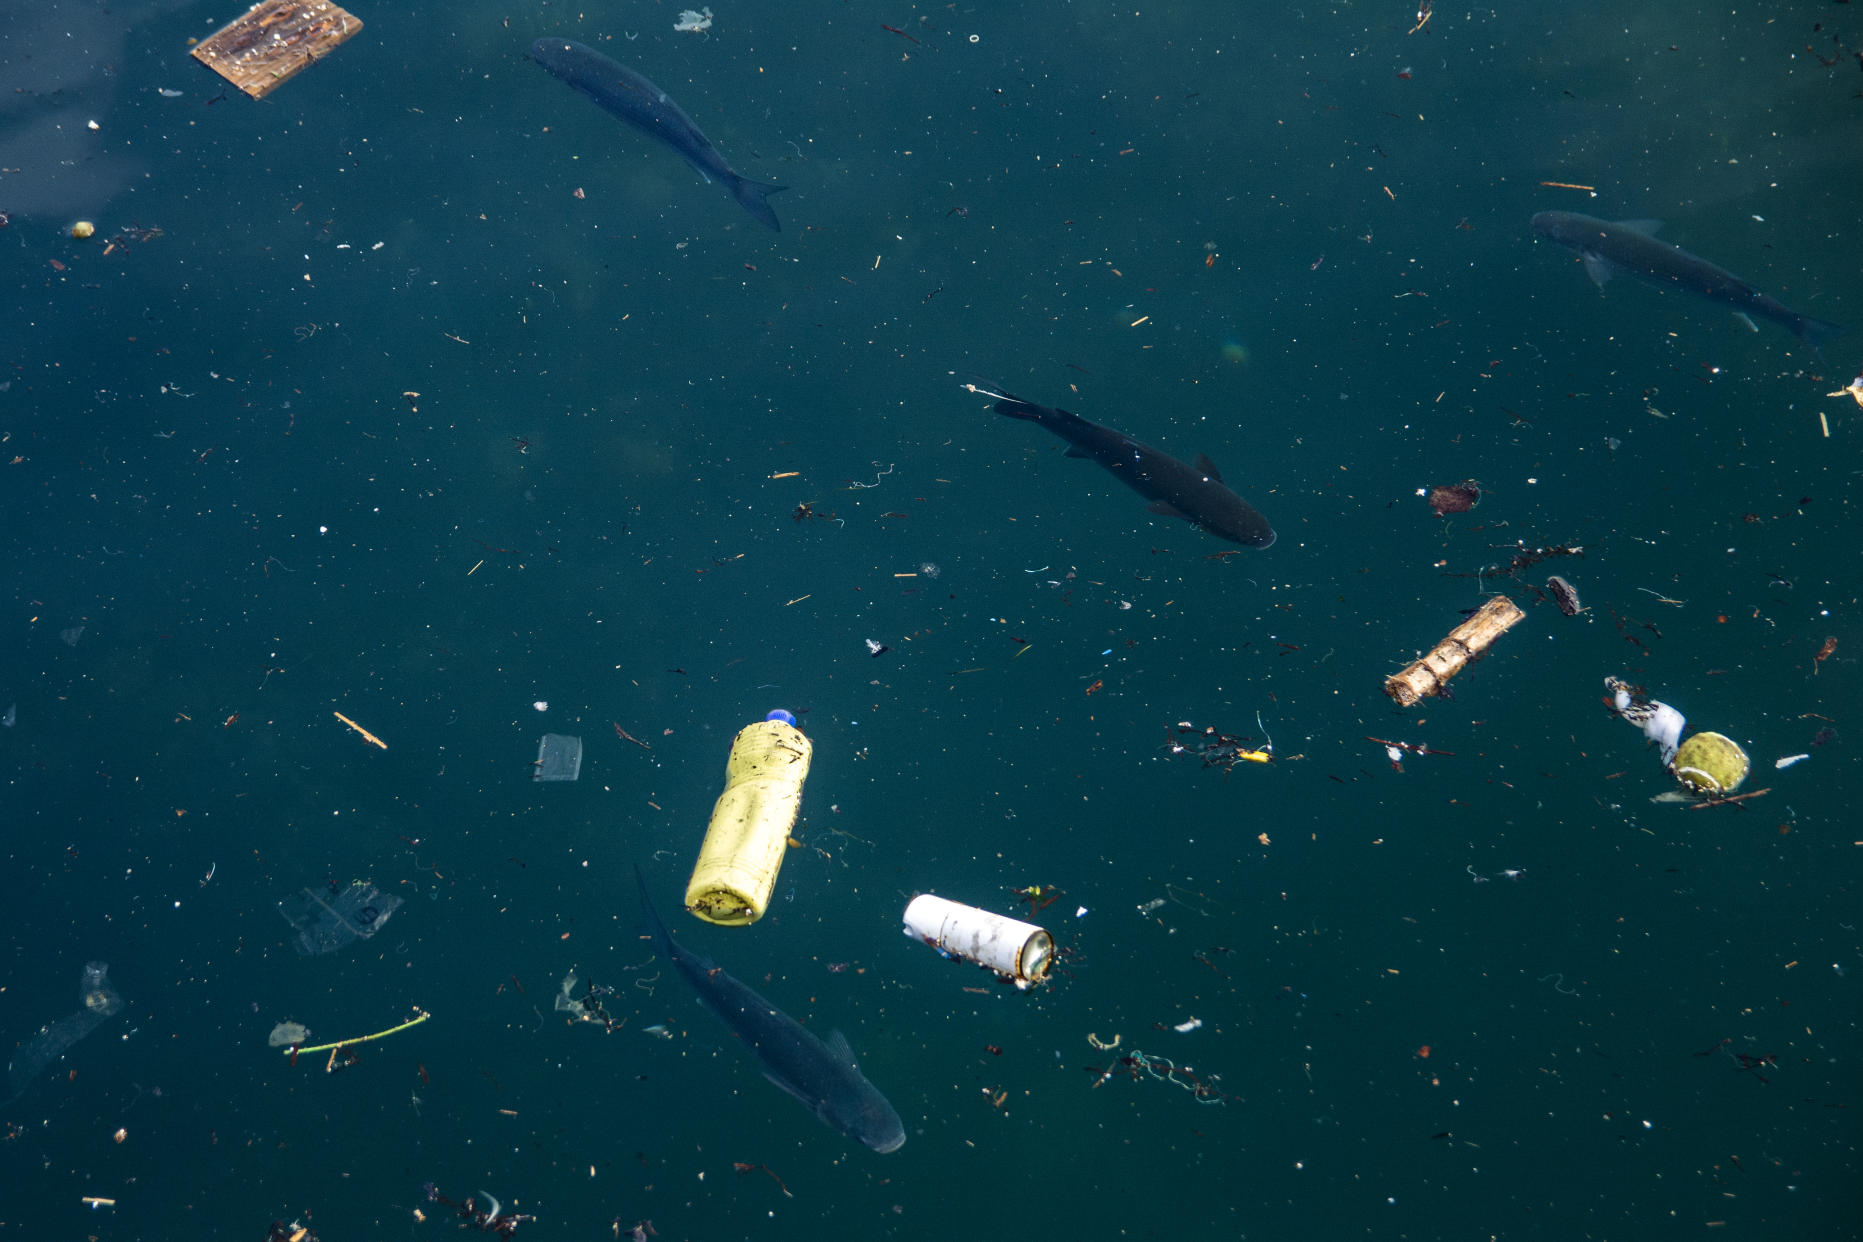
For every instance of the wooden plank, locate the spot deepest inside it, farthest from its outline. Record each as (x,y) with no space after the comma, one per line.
(274,41)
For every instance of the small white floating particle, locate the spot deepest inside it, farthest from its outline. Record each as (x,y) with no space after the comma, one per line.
(1789,760)
(378,245)
(93,125)
(1081,913)
(165,93)
(541,705)
(1185,1028)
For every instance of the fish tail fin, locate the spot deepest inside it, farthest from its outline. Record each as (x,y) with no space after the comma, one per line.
(650,918)
(753,196)
(1815,332)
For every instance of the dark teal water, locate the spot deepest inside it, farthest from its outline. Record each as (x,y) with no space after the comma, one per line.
(1242,233)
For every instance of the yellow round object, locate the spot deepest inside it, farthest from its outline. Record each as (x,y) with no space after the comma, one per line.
(1710,764)
(83,229)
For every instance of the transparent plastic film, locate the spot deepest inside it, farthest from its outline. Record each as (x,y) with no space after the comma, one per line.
(98,1002)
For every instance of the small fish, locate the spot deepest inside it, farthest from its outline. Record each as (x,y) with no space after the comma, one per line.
(1632,247)
(821,1074)
(657,1030)
(650,110)
(1194,490)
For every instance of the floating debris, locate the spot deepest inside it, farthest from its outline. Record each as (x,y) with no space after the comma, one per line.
(1216,749)
(1660,722)
(1205,1088)
(1711,764)
(1708,765)
(1020,953)
(274,41)
(1524,558)
(559,758)
(1564,596)
(285,1034)
(1465,642)
(493,1219)
(1455,497)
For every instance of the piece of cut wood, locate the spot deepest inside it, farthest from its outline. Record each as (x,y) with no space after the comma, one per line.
(1448,657)
(274,41)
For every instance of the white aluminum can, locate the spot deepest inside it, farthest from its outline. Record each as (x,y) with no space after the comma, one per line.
(1020,953)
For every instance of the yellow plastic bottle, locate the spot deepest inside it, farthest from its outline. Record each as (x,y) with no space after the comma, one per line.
(743,850)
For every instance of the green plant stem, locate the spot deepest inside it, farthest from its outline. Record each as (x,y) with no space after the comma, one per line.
(363,1039)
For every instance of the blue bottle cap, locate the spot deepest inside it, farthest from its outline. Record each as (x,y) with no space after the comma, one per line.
(780,714)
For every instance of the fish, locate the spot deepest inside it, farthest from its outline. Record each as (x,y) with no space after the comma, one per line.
(821,1074)
(1608,247)
(648,109)
(1194,491)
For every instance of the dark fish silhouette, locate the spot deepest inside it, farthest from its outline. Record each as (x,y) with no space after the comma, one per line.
(646,107)
(1632,247)
(822,1075)
(1194,492)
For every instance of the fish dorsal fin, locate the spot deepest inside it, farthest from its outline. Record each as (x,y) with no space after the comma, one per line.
(1207,467)
(838,1049)
(1649,228)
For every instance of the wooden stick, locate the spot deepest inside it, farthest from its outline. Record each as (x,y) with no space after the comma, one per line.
(1465,642)
(366,735)
(1757,793)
